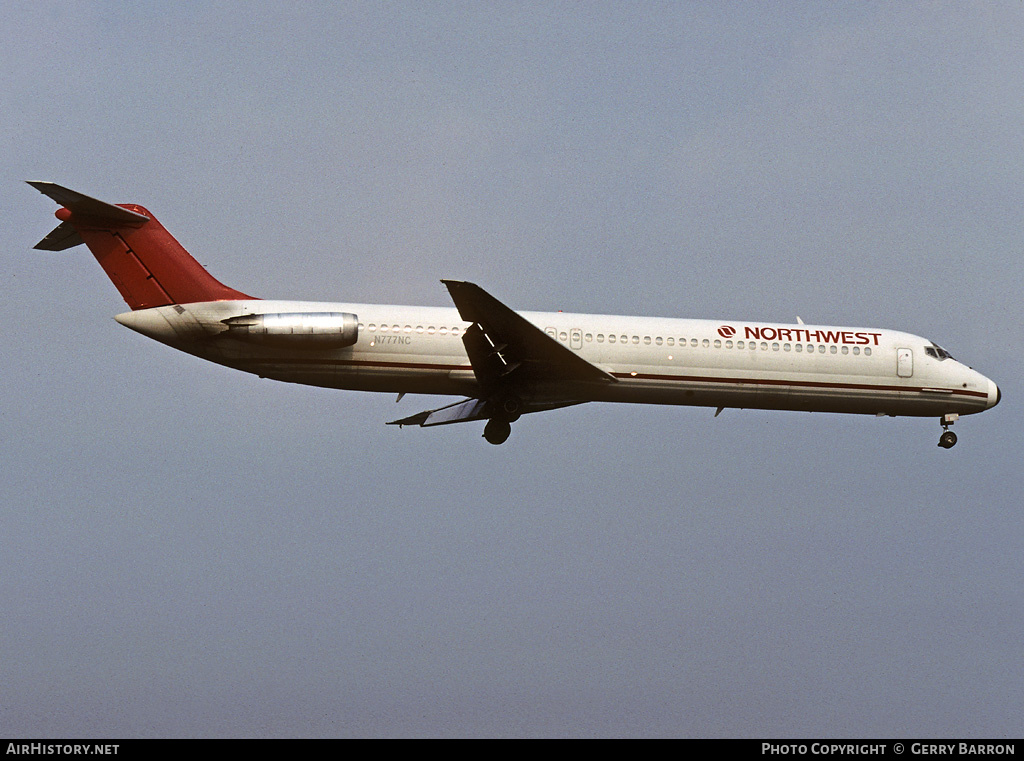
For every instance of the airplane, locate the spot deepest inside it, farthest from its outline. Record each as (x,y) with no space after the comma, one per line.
(507,363)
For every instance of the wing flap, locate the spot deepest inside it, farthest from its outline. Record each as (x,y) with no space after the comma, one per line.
(459,412)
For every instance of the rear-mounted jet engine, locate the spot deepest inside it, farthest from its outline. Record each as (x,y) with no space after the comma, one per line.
(298,330)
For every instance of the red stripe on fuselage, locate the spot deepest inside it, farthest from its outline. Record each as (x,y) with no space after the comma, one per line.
(681,379)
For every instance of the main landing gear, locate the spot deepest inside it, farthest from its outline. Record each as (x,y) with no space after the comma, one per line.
(948,439)
(497,430)
(506,411)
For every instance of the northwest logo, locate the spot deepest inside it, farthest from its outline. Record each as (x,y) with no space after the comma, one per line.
(727,331)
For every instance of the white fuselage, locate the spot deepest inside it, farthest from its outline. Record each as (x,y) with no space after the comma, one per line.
(655,360)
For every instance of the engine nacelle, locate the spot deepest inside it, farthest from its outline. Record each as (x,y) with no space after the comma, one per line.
(296,330)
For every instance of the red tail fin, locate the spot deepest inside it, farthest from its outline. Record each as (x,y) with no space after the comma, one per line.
(144,261)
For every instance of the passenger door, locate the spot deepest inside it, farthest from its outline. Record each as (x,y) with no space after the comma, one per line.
(904,363)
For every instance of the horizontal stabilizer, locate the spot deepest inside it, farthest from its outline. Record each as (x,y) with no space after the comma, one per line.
(460,412)
(83,205)
(145,263)
(61,237)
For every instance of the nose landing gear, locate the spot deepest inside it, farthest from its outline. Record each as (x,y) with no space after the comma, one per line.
(948,439)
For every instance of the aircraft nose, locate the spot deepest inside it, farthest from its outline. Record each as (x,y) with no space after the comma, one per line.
(994,394)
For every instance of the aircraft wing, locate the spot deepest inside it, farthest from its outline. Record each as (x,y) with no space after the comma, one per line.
(504,346)
(507,352)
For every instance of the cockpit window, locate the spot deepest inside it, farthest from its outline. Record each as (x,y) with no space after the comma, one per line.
(937,352)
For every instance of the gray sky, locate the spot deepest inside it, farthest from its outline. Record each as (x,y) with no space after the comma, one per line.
(190,551)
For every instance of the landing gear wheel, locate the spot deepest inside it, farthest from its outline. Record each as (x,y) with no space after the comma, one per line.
(510,408)
(497,431)
(947,439)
